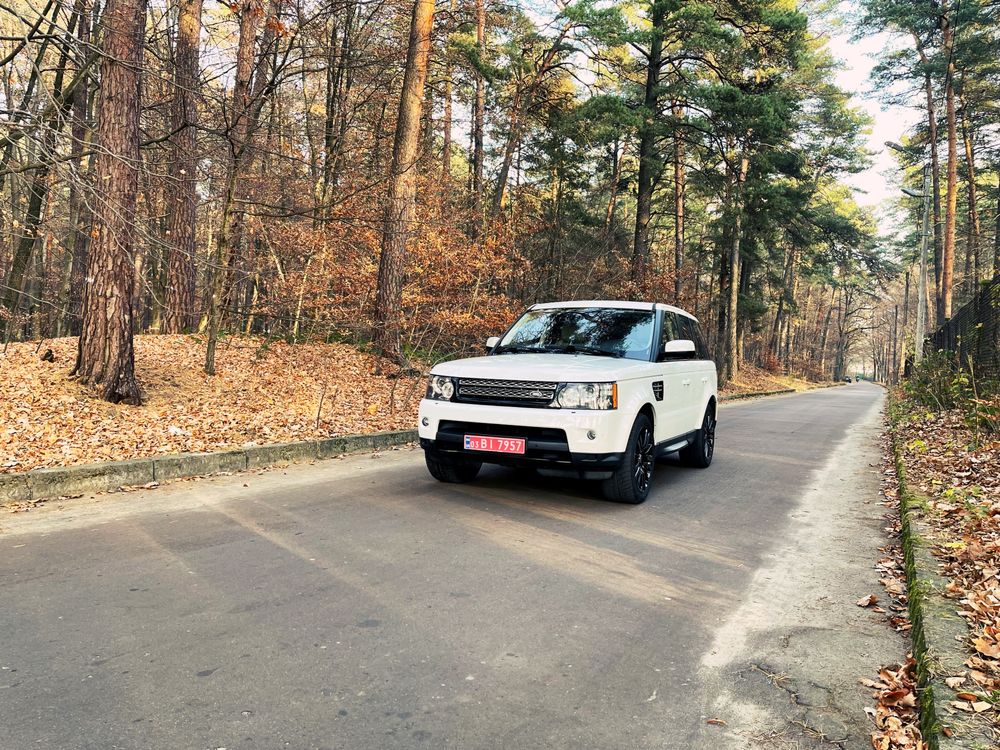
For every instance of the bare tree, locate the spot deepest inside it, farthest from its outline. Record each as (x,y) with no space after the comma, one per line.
(231,231)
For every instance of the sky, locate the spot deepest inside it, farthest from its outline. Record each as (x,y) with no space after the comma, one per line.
(877,186)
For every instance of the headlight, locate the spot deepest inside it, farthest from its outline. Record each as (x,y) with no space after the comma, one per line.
(588,396)
(440,388)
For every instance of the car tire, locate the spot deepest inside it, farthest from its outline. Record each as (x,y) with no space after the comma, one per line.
(700,452)
(631,481)
(451,469)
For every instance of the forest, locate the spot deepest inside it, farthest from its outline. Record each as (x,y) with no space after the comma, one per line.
(406,176)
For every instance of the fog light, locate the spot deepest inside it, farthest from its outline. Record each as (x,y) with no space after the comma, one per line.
(591,435)
(425,421)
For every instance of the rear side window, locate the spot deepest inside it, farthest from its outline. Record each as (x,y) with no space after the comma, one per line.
(689,329)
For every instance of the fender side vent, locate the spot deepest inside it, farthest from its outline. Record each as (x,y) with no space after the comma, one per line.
(658,390)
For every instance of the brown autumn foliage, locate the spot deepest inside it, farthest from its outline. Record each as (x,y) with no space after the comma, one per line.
(954,466)
(264,392)
(895,713)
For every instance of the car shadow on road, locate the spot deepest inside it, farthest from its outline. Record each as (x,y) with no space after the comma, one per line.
(539,486)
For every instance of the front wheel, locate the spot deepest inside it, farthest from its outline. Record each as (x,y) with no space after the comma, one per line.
(631,481)
(451,469)
(701,450)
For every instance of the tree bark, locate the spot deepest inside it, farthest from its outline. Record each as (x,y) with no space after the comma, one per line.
(932,136)
(680,194)
(647,146)
(951,194)
(178,314)
(996,239)
(731,365)
(105,356)
(446,119)
(231,229)
(478,120)
(400,210)
(617,156)
(973,226)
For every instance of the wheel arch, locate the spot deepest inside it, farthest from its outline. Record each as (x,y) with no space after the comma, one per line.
(649,411)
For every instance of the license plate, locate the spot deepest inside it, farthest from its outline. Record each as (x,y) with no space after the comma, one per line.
(494,444)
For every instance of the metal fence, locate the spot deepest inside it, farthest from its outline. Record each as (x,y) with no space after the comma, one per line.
(972,336)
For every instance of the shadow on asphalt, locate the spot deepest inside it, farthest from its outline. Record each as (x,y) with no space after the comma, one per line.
(529,484)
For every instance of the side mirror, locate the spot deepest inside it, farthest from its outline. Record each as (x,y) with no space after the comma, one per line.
(677,349)
(492,341)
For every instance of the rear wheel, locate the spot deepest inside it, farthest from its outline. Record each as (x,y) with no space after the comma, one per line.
(631,481)
(451,469)
(701,450)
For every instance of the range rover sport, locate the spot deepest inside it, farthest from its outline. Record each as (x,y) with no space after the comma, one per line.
(594,389)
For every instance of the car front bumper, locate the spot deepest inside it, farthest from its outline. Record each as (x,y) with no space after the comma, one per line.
(582,441)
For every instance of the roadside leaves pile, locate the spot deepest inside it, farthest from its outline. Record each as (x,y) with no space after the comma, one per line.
(264,392)
(896,710)
(895,713)
(957,469)
(756,380)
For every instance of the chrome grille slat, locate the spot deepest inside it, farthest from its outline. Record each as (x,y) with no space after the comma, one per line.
(509,383)
(527,392)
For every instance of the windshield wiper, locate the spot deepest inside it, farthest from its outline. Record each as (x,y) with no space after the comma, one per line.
(515,349)
(575,349)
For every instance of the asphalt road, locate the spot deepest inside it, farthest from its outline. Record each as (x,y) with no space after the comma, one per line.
(359,604)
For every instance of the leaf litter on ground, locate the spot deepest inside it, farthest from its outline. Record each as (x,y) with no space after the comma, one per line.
(263,392)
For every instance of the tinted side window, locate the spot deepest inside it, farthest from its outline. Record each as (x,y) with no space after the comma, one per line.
(668,331)
(681,327)
(692,330)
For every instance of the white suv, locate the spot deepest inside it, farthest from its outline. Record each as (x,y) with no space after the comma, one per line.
(597,390)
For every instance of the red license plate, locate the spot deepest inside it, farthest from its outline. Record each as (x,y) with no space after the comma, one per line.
(494,444)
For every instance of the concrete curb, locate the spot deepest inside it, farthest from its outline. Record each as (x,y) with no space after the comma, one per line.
(782,391)
(44,484)
(937,631)
(755,394)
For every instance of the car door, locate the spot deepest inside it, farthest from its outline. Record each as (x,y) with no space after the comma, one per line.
(672,411)
(697,379)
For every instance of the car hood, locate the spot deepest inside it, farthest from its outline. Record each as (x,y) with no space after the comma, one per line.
(546,367)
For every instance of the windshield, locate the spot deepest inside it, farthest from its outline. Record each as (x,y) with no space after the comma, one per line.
(600,331)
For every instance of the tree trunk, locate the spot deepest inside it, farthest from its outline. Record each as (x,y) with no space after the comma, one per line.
(647,147)
(932,136)
(996,239)
(340,79)
(478,120)
(400,204)
(951,194)
(680,192)
(178,313)
(76,244)
(973,227)
(105,356)
(617,156)
(774,344)
(446,120)
(730,365)
(231,229)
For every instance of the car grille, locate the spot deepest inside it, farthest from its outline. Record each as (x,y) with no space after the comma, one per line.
(506,392)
